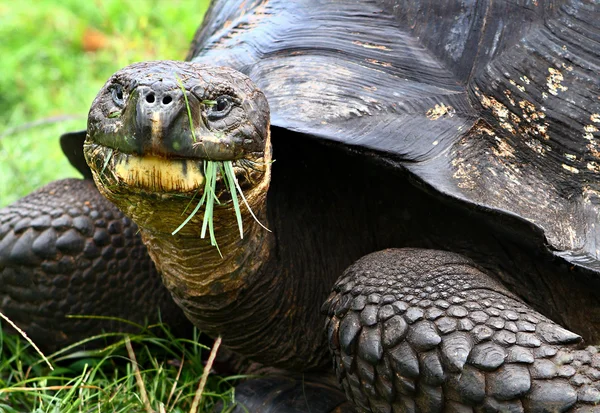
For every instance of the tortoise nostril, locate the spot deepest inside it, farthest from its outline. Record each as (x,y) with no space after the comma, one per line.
(150,98)
(167,99)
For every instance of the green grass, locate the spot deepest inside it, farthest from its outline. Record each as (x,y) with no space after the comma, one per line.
(138,373)
(49,72)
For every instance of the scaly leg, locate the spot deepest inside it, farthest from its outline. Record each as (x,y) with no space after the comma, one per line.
(426,331)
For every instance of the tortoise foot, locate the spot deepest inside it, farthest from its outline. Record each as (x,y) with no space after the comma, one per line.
(426,331)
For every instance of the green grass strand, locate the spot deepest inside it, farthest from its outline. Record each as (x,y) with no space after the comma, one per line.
(230,174)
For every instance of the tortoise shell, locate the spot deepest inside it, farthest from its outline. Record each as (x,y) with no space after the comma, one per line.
(496,104)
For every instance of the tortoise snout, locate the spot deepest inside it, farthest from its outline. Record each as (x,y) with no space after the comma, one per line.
(156,100)
(161,117)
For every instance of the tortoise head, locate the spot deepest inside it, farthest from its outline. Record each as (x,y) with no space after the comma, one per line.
(155,126)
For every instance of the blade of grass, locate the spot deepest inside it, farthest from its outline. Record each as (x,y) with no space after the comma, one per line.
(138,376)
(110,154)
(107,318)
(191,200)
(209,191)
(187,105)
(174,387)
(211,173)
(48,388)
(30,341)
(72,389)
(194,212)
(229,174)
(207,368)
(247,204)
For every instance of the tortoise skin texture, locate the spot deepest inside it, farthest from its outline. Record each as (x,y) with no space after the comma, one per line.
(65,250)
(426,330)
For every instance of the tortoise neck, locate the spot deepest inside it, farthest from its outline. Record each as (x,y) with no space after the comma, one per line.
(194,270)
(247,297)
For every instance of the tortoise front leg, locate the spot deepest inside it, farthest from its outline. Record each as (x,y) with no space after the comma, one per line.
(426,331)
(65,249)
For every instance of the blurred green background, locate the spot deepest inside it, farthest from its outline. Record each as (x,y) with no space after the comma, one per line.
(55,56)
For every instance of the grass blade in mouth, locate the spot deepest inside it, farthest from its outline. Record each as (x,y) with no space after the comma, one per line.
(230,180)
(209,190)
(189,218)
(107,160)
(246,202)
(187,106)
(209,197)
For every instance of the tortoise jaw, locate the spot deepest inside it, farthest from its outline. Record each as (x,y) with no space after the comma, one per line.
(158,175)
(151,173)
(157,192)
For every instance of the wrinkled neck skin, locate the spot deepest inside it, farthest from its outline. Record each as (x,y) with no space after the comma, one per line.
(241,297)
(245,296)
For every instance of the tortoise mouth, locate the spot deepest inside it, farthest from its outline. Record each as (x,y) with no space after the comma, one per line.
(160,175)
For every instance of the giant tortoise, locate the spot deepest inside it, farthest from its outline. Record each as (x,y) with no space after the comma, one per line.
(420,206)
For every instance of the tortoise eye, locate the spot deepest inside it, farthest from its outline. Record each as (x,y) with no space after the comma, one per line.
(117,95)
(220,108)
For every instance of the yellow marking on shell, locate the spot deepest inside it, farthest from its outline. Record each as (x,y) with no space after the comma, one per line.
(378,62)
(553,81)
(570,169)
(503,149)
(499,110)
(370,45)
(593,166)
(539,129)
(508,95)
(590,128)
(537,146)
(515,84)
(514,118)
(589,132)
(157,174)
(488,131)
(508,127)
(595,117)
(567,68)
(440,110)
(592,146)
(465,173)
